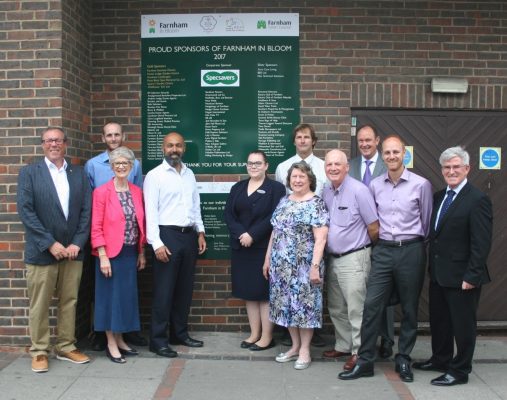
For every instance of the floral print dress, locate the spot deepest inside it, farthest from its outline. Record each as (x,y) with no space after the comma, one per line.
(294,301)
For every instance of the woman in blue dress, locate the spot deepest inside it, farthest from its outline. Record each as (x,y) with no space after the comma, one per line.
(248,211)
(294,263)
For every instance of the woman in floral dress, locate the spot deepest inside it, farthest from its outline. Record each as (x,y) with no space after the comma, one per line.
(294,263)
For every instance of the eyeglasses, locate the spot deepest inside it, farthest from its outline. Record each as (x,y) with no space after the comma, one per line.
(50,141)
(449,168)
(254,164)
(123,164)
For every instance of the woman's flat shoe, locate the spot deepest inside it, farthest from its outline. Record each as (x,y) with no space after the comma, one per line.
(302,364)
(283,357)
(128,352)
(255,347)
(117,360)
(246,345)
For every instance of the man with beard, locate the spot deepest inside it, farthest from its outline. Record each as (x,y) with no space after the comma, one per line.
(175,230)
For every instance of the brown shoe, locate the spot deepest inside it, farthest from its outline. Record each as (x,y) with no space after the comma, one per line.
(350,363)
(334,354)
(40,363)
(74,356)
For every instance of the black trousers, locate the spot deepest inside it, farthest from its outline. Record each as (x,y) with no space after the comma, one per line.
(393,268)
(453,317)
(173,284)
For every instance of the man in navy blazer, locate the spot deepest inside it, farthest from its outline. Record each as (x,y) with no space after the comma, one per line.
(460,241)
(368,141)
(54,205)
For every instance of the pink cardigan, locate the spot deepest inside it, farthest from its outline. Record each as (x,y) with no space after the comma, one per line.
(108,219)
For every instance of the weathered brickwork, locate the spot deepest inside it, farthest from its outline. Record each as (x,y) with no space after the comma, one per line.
(77,64)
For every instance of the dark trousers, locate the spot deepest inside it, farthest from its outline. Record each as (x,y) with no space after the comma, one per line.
(173,286)
(387,325)
(393,268)
(453,317)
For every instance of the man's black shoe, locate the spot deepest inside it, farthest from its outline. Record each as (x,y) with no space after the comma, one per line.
(317,340)
(386,348)
(98,341)
(134,338)
(429,366)
(449,380)
(403,368)
(359,371)
(164,352)
(189,342)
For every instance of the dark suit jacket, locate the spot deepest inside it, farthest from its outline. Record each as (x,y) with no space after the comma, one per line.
(42,215)
(355,168)
(257,220)
(460,246)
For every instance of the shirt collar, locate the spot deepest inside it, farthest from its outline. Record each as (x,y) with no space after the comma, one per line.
(458,188)
(373,159)
(50,165)
(308,159)
(169,168)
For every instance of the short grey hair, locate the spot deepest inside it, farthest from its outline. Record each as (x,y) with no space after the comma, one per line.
(305,168)
(452,152)
(122,151)
(53,128)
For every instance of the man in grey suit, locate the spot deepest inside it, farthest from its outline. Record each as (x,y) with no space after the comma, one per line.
(54,205)
(364,168)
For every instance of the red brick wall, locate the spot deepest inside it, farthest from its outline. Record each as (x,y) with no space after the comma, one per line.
(353,54)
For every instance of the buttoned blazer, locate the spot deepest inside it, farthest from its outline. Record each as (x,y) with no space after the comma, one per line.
(257,220)
(42,215)
(459,247)
(355,168)
(108,219)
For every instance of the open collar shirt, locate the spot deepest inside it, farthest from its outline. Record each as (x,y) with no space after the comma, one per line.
(59,177)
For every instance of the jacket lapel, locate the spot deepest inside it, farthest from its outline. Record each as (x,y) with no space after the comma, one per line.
(455,203)
(47,182)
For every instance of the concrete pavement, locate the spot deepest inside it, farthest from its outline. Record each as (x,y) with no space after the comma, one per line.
(222,371)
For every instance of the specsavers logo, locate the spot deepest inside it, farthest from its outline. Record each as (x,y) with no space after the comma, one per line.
(219,77)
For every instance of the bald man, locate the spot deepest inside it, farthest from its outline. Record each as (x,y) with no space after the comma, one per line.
(354,227)
(175,230)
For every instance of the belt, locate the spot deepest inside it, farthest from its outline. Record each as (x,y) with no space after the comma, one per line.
(182,229)
(399,243)
(349,252)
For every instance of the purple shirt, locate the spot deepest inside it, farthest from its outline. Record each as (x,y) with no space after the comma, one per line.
(351,208)
(404,209)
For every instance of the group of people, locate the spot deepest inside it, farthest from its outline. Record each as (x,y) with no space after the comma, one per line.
(360,227)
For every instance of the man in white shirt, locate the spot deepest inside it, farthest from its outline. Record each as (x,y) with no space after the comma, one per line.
(364,168)
(304,139)
(175,230)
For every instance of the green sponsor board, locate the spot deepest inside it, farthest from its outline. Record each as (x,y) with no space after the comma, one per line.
(229,83)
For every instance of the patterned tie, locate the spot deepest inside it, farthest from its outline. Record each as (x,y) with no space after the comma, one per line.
(446,205)
(367,173)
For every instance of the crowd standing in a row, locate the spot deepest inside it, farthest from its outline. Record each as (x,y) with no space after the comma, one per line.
(367,221)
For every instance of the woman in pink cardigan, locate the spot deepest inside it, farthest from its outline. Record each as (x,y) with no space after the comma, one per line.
(118,236)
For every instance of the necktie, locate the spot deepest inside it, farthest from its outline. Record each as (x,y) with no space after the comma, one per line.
(367,173)
(446,205)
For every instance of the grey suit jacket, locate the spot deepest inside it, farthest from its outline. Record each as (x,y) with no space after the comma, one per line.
(355,168)
(42,215)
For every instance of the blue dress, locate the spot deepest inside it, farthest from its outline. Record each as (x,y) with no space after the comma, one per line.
(294,301)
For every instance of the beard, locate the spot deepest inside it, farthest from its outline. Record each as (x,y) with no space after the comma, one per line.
(173,159)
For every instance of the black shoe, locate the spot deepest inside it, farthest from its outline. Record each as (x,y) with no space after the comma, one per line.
(128,352)
(189,342)
(164,352)
(246,345)
(117,360)
(134,338)
(386,348)
(403,368)
(429,366)
(286,340)
(98,341)
(317,340)
(255,347)
(359,371)
(449,380)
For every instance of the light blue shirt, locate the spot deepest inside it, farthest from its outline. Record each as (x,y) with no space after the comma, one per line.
(99,171)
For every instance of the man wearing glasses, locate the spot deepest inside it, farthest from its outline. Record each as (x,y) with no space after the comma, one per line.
(54,205)
(99,171)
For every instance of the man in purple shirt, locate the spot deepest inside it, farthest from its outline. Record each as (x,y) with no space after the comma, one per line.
(354,226)
(404,203)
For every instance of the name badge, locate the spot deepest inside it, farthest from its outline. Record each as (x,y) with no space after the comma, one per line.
(261,191)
